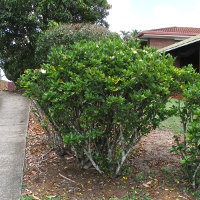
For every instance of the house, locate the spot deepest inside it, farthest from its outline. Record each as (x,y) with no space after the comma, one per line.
(182,43)
(186,52)
(160,38)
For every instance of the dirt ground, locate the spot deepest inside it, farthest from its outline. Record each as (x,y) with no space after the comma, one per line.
(151,172)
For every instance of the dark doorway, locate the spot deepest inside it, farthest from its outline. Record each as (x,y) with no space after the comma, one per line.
(188,55)
(190,59)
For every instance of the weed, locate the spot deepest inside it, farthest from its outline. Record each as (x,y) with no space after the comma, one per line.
(165,171)
(139,177)
(127,170)
(196,194)
(121,186)
(24,186)
(153,173)
(23,197)
(139,195)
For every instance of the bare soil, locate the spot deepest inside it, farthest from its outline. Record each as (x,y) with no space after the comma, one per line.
(151,172)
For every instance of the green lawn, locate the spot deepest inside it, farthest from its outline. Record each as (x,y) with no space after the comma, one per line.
(172,123)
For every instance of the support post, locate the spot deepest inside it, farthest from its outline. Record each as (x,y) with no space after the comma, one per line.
(199,61)
(177,62)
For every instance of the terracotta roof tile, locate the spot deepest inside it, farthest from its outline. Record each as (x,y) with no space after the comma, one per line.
(186,31)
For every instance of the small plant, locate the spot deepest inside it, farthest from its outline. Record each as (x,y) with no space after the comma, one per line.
(196,194)
(127,170)
(24,186)
(23,197)
(139,177)
(153,173)
(137,194)
(165,171)
(32,197)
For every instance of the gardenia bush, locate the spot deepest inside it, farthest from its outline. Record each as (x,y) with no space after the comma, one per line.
(188,84)
(101,98)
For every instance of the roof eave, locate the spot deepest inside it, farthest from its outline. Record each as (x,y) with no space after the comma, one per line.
(178,46)
(176,37)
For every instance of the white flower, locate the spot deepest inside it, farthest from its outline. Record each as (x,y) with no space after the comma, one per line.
(140,60)
(43,71)
(134,51)
(144,51)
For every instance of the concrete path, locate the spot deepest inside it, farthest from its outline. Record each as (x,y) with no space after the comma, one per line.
(14,113)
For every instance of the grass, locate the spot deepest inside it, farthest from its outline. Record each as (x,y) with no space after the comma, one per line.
(33,198)
(172,123)
(27,198)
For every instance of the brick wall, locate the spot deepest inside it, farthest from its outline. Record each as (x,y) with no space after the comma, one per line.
(160,43)
(4,85)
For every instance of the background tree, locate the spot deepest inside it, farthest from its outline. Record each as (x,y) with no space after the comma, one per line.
(22,21)
(128,35)
(66,35)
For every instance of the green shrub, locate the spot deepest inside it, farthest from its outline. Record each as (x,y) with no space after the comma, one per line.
(67,35)
(189,148)
(102,97)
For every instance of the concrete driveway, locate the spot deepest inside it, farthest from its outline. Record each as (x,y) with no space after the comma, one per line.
(14,114)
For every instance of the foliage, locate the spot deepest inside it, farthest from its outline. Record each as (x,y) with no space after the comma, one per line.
(21,21)
(188,84)
(127,35)
(72,11)
(17,32)
(102,97)
(66,35)
(172,123)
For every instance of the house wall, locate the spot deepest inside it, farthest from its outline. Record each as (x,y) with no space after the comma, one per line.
(160,43)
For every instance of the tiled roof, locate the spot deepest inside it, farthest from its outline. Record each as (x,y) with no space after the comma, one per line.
(185,31)
(177,45)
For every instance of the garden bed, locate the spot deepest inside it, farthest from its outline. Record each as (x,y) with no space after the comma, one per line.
(151,172)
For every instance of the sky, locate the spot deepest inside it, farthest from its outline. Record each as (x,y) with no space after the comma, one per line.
(128,15)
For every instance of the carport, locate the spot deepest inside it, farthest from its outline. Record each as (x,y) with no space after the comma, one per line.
(186,52)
